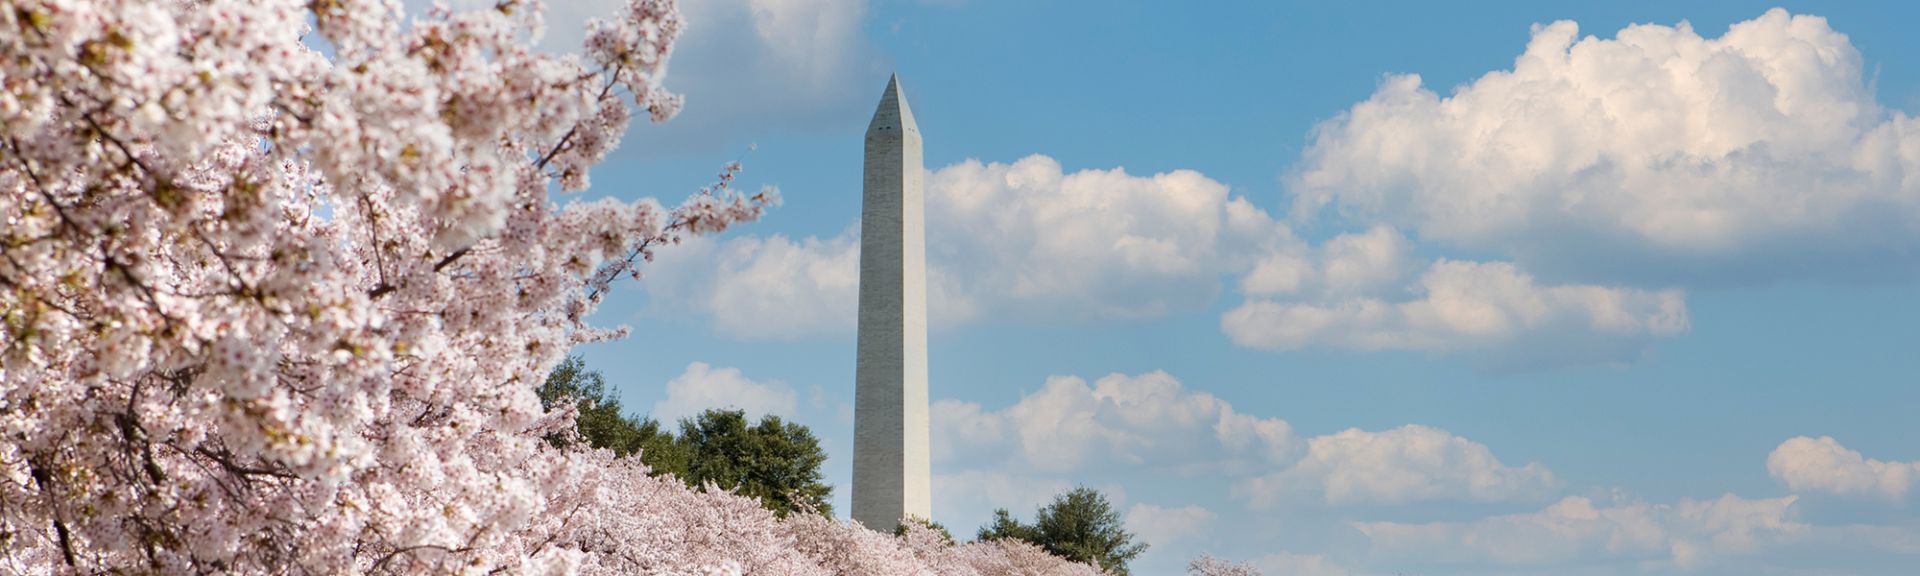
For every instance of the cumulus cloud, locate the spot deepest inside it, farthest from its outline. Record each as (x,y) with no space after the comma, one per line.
(1689,534)
(1001,458)
(1348,266)
(1149,421)
(1823,465)
(811,53)
(1030,239)
(733,53)
(1152,423)
(811,41)
(702,387)
(1290,564)
(1020,240)
(1033,242)
(1458,305)
(1657,153)
(1411,463)
(762,288)
(1161,526)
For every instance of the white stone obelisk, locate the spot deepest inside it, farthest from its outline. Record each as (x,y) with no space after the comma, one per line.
(891,470)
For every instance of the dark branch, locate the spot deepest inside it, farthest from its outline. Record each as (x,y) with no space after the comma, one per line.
(45,481)
(561,145)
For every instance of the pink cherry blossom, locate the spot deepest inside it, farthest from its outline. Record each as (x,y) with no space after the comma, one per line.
(277,280)
(278,276)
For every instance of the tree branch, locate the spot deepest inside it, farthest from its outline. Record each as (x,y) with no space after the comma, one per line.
(45,481)
(612,79)
(558,146)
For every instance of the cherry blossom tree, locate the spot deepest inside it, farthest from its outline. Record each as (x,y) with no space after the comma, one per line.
(279,278)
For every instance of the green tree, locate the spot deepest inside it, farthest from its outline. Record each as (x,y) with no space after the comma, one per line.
(601,424)
(660,450)
(1080,525)
(1004,526)
(777,462)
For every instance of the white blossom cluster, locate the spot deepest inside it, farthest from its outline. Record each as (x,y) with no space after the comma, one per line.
(629,523)
(1211,566)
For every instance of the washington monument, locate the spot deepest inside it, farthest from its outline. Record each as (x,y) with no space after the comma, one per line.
(890,466)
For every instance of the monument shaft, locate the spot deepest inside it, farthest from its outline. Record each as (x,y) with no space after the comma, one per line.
(891,471)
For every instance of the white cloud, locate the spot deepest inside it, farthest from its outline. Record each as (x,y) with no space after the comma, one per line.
(762,288)
(1022,240)
(810,39)
(809,42)
(1070,431)
(963,431)
(1290,564)
(731,54)
(1028,239)
(812,54)
(1151,423)
(702,387)
(781,288)
(1658,153)
(1823,465)
(1354,292)
(1411,463)
(1689,534)
(1161,526)
(1348,266)
(1459,305)
(1148,421)
(1031,242)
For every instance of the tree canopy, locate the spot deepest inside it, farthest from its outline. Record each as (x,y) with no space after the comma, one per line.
(1079,525)
(775,461)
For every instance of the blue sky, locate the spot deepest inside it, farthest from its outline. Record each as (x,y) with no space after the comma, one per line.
(1615,300)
